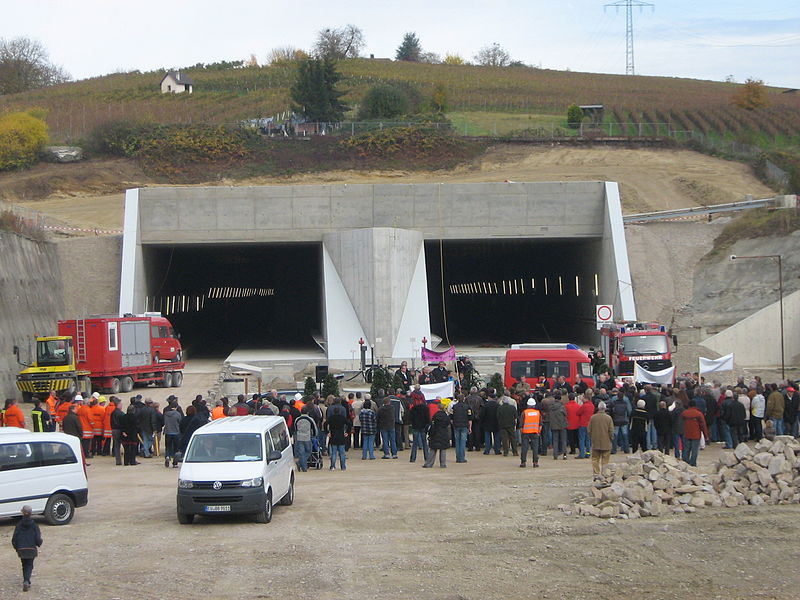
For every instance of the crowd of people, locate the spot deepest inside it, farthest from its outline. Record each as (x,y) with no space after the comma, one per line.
(545,418)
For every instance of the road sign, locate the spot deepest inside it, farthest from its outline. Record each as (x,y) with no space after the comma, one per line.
(604,314)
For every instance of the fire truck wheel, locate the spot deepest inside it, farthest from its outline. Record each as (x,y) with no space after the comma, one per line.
(115,386)
(167,381)
(126,384)
(177,378)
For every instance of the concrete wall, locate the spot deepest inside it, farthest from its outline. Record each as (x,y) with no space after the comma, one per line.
(307,212)
(90,269)
(382,271)
(373,240)
(755,340)
(30,300)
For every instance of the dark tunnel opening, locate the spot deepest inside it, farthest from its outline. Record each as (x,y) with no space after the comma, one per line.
(500,292)
(224,297)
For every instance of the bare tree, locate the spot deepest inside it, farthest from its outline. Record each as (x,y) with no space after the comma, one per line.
(493,56)
(25,65)
(285,54)
(343,42)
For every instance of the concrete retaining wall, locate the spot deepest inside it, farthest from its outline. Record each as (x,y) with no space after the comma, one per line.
(30,300)
(755,340)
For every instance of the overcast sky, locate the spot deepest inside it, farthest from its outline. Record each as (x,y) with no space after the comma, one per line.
(702,39)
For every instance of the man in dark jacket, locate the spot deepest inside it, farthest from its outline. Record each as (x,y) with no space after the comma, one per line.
(338,427)
(420,421)
(438,438)
(26,540)
(491,430)
(507,423)
(475,402)
(146,421)
(386,428)
(116,430)
(639,419)
(651,398)
(663,423)
(737,421)
(461,416)
(71,425)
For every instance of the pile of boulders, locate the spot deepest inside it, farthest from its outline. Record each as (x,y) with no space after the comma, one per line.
(651,484)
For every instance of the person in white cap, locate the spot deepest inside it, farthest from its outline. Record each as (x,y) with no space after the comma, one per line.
(530,426)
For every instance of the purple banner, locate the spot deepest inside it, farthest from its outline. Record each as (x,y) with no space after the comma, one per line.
(448,355)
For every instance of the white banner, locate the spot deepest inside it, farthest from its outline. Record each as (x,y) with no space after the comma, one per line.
(711,365)
(434,390)
(644,376)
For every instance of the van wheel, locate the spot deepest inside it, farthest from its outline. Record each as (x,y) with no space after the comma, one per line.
(177,379)
(167,380)
(59,509)
(185,518)
(126,384)
(265,516)
(288,499)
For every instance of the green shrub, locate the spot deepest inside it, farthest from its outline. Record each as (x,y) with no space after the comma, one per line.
(405,141)
(574,116)
(385,101)
(310,386)
(22,137)
(496,382)
(330,386)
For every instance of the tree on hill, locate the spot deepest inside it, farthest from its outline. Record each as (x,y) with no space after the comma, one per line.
(339,43)
(752,95)
(285,54)
(409,49)
(493,56)
(574,116)
(453,59)
(25,65)
(314,93)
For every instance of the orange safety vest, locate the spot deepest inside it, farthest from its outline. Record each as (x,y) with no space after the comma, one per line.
(51,404)
(98,415)
(61,411)
(218,413)
(13,417)
(531,421)
(85,416)
(110,408)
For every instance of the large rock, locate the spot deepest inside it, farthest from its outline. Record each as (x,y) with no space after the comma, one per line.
(728,459)
(778,465)
(62,154)
(762,458)
(764,477)
(634,493)
(742,451)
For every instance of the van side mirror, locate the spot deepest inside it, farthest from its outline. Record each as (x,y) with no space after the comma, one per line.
(273,456)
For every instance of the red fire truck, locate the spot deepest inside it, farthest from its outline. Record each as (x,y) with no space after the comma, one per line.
(105,353)
(631,342)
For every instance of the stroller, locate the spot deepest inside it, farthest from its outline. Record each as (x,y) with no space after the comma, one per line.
(315,458)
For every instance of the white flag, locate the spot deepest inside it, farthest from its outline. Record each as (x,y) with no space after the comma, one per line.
(711,365)
(645,376)
(442,390)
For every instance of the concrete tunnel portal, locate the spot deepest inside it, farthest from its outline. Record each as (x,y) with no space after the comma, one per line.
(318,267)
(496,292)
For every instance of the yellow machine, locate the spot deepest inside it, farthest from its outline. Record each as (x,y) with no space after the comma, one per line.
(54,369)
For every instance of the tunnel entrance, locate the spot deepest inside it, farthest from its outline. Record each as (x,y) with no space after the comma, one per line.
(500,292)
(224,297)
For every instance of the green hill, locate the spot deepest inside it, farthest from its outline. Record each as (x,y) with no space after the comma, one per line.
(482,99)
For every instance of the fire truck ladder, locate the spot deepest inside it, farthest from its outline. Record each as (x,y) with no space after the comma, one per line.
(80,340)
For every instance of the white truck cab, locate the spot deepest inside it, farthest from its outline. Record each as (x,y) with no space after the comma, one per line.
(239,465)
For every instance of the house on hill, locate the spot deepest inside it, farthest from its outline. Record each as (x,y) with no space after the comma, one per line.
(174,82)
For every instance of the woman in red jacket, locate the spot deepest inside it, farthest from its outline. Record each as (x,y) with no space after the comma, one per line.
(573,422)
(585,413)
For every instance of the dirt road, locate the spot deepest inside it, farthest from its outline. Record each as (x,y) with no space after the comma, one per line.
(390,529)
(88,195)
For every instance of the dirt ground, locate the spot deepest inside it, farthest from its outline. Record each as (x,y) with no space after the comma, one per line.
(90,194)
(390,529)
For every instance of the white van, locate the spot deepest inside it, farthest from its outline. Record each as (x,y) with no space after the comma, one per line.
(237,465)
(44,470)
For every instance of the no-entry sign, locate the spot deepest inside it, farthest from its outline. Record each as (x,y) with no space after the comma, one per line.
(604,314)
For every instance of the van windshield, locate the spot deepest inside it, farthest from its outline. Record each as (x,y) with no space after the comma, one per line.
(225,447)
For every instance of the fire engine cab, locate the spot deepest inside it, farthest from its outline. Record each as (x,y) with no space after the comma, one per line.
(625,344)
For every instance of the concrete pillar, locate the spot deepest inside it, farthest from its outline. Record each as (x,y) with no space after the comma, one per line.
(382,272)
(616,287)
(132,288)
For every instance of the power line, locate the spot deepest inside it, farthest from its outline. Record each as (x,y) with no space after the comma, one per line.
(629,4)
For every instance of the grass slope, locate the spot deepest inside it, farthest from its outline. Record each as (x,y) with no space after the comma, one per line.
(535,98)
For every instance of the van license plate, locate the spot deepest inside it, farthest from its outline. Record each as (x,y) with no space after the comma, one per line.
(219,508)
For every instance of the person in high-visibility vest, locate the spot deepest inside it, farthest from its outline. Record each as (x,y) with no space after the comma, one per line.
(13,415)
(98,415)
(51,402)
(40,418)
(108,432)
(530,424)
(87,433)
